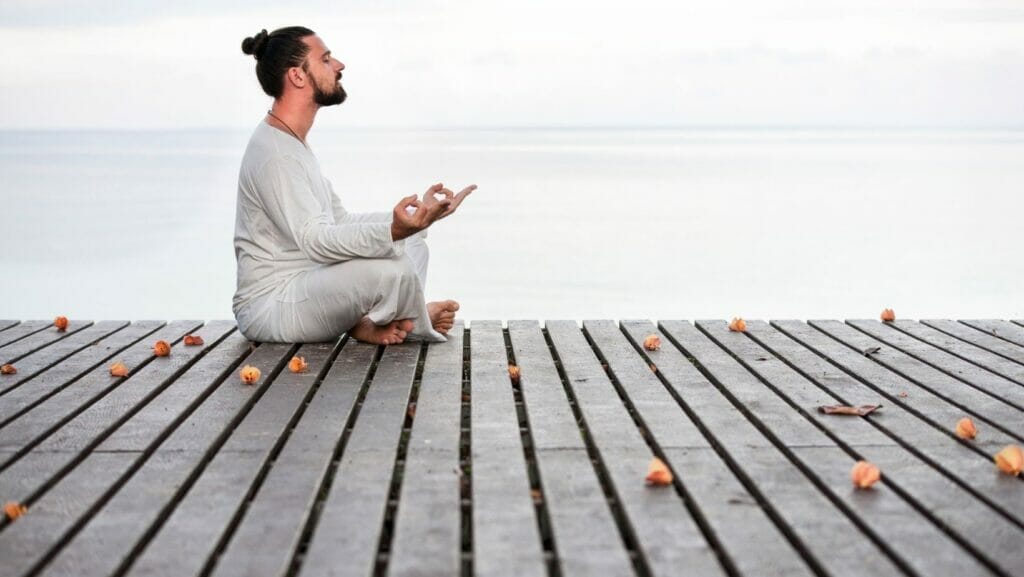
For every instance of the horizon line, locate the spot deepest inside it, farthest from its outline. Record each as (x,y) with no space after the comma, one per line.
(566,127)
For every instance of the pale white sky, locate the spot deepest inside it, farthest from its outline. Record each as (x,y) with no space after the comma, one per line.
(441,63)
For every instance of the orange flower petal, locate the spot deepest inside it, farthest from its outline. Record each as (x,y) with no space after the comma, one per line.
(888,315)
(965,428)
(61,323)
(513,373)
(738,325)
(297,365)
(864,475)
(161,349)
(13,510)
(193,340)
(652,343)
(118,369)
(658,473)
(1010,460)
(249,374)
(8,370)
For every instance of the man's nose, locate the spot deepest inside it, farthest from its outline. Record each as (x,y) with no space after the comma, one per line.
(341,65)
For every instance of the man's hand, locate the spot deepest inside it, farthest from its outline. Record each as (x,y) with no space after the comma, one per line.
(428,210)
(456,200)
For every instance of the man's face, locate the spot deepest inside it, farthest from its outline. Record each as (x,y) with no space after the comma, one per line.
(325,73)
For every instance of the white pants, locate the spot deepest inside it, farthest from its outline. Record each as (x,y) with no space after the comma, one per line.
(320,304)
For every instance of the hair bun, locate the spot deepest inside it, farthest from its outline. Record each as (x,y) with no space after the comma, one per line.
(255,45)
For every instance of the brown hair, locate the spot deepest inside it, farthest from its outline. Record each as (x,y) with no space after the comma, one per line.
(275,53)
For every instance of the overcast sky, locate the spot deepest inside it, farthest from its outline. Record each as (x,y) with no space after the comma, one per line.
(436,63)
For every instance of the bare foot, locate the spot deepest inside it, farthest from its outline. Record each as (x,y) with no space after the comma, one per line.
(389,334)
(442,315)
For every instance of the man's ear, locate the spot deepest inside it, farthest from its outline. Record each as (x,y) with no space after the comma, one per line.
(297,77)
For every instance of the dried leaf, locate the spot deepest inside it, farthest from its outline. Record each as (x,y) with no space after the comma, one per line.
(249,374)
(411,411)
(513,373)
(297,365)
(847,410)
(864,475)
(888,316)
(1010,460)
(654,367)
(8,370)
(193,340)
(537,497)
(652,342)
(13,510)
(118,369)
(965,429)
(161,349)
(870,351)
(738,325)
(61,323)
(658,473)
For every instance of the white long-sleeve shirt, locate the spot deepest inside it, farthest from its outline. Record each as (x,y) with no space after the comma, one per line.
(288,218)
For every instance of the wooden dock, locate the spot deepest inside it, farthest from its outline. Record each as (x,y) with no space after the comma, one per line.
(415,460)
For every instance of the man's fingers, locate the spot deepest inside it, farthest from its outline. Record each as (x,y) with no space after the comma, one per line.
(465,191)
(407,201)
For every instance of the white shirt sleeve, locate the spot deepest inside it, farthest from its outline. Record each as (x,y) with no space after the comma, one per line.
(343,216)
(290,203)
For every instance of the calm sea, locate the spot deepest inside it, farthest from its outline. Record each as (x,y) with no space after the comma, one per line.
(566,224)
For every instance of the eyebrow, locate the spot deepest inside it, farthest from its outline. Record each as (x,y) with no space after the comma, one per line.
(328,53)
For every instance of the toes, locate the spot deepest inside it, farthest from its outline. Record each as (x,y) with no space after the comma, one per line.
(405,325)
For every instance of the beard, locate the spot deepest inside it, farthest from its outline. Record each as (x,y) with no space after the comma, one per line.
(334,96)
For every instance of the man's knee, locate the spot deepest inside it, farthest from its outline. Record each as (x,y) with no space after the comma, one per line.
(396,270)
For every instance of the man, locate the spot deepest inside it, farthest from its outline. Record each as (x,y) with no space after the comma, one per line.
(308,270)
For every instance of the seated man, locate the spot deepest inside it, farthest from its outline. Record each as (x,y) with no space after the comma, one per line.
(308,270)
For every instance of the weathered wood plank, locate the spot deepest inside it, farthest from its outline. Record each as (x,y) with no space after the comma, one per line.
(22,479)
(428,536)
(21,331)
(14,352)
(980,338)
(39,381)
(269,533)
(958,345)
(348,531)
(910,382)
(34,363)
(971,521)
(503,510)
(667,535)
(7,323)
(828,535)
(586,536)
(750,539)
(999,387)
(76,390)
(1001,329)
(200,510)
(907,534)
(90,345)
(36,541)
(964,462)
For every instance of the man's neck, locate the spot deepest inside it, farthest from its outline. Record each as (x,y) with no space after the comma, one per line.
(295,116)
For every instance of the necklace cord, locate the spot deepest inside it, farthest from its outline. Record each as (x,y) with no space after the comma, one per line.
(275,117)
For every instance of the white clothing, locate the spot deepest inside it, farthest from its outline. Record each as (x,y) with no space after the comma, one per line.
(308,270)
